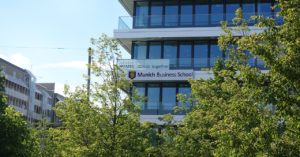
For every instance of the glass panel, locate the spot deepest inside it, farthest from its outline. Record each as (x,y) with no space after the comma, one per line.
(141,14)
(139,50)
(186,17)
(185,55)
(153,96)
(231,7)
(168,96)
(202,13)
(248,10)
(264,8)
(200,55)
(171,13)
(140,87)
(154,50)
(216,12)
(251,60)
(170,52)
(184,89)
(214,53)
(156,13)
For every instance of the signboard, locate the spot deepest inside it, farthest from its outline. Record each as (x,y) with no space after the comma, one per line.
(147,64)
(150,75)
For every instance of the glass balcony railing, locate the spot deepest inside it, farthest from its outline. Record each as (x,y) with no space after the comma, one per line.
(160,108)
(199,20)
(182,63)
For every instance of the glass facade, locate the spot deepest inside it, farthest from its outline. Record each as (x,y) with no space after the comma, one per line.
(196,13)
(195,54)
(161,97)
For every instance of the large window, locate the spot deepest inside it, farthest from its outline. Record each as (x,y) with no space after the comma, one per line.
(153,96)
(171,13)
(184,89)
(185,55)
(141,14)
(154,50)
(139,50)
(170,52)
(216,12)
(202,13)
(156,14)
(168,96)
(215,53)
(200,54)
(264,8)
(231,7)
(140,87)
(248,8)
(186,15)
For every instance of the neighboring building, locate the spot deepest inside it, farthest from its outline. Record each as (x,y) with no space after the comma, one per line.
(173,40)
(34,100)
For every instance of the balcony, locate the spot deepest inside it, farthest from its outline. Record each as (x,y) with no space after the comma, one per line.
(202,64)
(161,108)
(176,21)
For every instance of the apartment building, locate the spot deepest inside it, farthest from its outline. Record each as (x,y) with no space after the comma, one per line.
(171,41)
(34,100)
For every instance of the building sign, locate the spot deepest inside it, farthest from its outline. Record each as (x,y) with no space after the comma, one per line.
(146,64)
(149,75)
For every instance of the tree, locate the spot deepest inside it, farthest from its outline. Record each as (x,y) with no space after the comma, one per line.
(15,137)
(243,111)
(105,122)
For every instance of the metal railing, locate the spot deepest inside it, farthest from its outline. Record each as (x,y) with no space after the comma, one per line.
(198,20)
(178,63)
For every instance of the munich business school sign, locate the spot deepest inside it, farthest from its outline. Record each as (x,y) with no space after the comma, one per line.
(160,75)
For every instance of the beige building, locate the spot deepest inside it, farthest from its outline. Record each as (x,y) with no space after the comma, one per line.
(34,100)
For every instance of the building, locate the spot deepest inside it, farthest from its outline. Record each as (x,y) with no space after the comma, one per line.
(173,40)
(34,100)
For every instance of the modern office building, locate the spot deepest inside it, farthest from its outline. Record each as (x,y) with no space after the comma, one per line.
(34,100)
(173,40)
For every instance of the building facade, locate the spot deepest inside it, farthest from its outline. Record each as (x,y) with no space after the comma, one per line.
(34,100)
(173,40)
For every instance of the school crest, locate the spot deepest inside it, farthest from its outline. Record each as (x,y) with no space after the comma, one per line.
(131,74)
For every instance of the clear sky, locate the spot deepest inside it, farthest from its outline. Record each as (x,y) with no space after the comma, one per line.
(30,30)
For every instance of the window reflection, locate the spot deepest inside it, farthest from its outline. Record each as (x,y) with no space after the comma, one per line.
(156,14)
(248,8)
(140,50)
(216,12)
(171,13)
(186,17)
(154,50)
(264,8)
(215,53)
(231,7)
(140,87)
(200,55)
(168,96)
(185,55)
(202,12)
(153,96)
(170,52)
(184,89)
(141,14)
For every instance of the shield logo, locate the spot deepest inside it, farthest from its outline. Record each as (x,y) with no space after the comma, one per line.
(132,74)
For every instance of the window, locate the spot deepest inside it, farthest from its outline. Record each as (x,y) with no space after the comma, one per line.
(185,55)
(186,16)
(153,96)
(156,14)
(154,50)
(168,96)
(170,52)
(139,50)
(171,13)
(216,12)
(231,7)
(184,89)
(202,13)
(141,14)
(200,55)
(215,53)
(264,8)
(140,87)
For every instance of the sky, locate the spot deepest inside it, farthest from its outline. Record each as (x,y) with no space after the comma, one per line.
(51,37)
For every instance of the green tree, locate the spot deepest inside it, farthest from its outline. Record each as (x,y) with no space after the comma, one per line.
(15,137)
(105,122)
(243,111)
